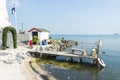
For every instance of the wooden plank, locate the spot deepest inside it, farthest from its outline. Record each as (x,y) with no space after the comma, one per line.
(58,53)
(66,54)
(77,49)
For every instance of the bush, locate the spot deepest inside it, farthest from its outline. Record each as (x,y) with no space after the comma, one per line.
(4,36)
(35,39)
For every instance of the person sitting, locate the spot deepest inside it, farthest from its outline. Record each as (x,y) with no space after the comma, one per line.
(44,44)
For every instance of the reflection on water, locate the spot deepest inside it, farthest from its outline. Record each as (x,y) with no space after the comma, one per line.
(69,70)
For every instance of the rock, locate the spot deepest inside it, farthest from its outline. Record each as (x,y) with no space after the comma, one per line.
(64,44)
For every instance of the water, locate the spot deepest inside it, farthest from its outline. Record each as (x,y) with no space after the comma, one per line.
(110,45)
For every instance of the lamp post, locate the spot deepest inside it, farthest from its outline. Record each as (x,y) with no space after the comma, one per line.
(98,44)
(21,26)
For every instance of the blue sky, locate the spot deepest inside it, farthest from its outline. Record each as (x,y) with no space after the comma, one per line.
(68,16)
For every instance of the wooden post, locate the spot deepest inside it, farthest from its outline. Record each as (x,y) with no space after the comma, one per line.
(78,60)
(40,54)
(81,60)
(71,59)
(67,58)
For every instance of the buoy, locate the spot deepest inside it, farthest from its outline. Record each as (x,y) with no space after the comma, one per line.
(101,62)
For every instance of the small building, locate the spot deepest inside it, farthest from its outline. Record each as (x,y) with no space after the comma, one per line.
(39,32)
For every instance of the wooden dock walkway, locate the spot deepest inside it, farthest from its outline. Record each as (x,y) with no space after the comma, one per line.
(75,53)
(59,53)
(80,54)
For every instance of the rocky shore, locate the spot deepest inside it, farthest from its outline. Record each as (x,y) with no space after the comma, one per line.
(17,64)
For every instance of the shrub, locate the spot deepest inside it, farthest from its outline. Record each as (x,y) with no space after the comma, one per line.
(4,36)
(35,39)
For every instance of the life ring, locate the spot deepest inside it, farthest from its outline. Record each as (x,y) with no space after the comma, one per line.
(101,62)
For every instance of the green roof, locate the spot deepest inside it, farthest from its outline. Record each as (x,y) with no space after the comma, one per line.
(39,29)
(42,30)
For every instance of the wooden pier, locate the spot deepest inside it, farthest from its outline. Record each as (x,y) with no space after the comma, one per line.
(75,53)
(68,56)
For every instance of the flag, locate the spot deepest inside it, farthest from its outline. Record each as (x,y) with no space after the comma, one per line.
(13,10)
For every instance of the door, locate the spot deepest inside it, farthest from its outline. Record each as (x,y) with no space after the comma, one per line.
(34,34)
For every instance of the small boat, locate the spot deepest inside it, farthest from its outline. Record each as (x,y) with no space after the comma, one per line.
(116,34)
(101,62)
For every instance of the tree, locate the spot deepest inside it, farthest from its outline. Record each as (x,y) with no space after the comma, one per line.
(4,36)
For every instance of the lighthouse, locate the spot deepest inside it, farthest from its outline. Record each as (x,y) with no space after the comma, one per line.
(4,19)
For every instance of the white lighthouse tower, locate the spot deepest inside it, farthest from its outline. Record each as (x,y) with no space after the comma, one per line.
(4,19)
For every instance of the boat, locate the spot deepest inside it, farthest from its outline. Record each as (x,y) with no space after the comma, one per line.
(95,54)
(116,34)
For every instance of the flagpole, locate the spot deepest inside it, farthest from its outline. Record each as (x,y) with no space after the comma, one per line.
(15,16)
(15,21)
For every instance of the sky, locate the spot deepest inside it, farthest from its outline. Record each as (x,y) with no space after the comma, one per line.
(67,16)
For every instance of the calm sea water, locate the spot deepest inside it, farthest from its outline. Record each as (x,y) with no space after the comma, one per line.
(110,45)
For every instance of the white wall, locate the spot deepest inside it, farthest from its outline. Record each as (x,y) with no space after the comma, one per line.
(30,35)
(43,35)
(4,18)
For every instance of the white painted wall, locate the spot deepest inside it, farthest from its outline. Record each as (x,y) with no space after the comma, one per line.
(30,36)
(41,35)
(4,18)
